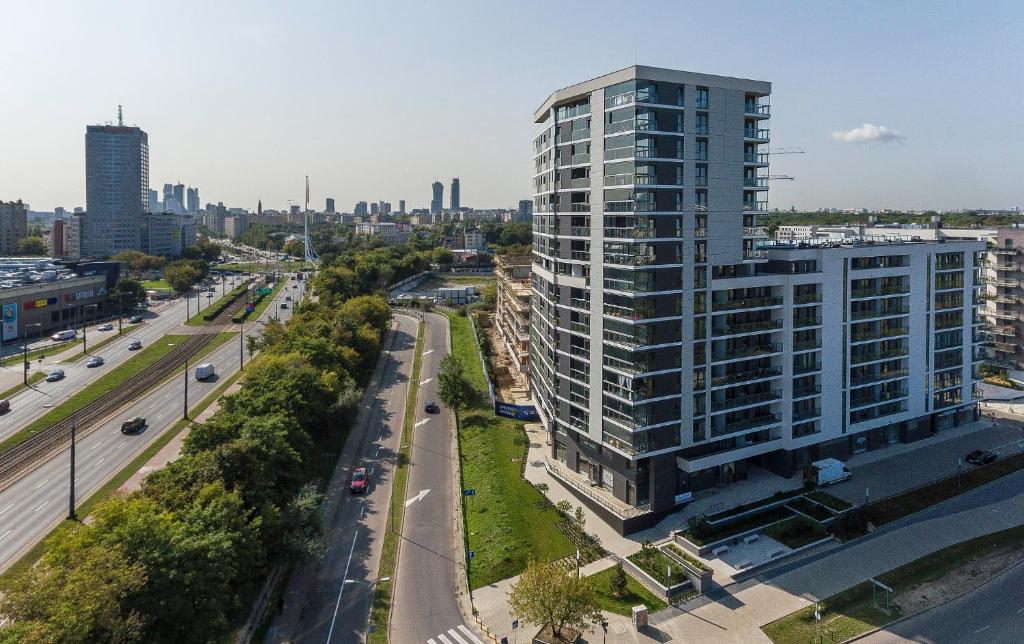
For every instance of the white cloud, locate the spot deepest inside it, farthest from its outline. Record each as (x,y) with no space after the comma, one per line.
(867,133)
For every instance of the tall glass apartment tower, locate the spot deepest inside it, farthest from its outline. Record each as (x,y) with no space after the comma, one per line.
(116,189)
(672,346)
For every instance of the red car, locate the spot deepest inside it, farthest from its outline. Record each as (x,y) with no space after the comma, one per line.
(360,481)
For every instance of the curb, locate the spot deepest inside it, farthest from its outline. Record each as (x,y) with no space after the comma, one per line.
(931,608)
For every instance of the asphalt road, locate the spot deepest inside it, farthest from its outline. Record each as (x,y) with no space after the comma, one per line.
(329,600)
(425,607)
(35,401)
(992,614)
(30,508)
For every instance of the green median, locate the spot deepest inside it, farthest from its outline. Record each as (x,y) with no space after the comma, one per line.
(204,316)
(508,522)
(380,609)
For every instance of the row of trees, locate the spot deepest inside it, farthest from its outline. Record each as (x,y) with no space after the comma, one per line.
(177,560)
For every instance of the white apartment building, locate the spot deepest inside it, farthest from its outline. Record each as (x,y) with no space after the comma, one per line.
(673,348)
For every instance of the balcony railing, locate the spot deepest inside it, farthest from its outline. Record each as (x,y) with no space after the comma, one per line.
(813,298)
(888,311)
(759,134)
(760,111)
(869,378)
(744,425)
(756,157)
(804,322)
(755,206)
(746,352)
(747,303)
(577,159)
(803,368)
(636,232)
(748,327)
(744,376)
(744,401)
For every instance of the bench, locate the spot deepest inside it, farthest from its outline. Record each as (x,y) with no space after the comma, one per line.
(744,564)
(751,538)
(720,550)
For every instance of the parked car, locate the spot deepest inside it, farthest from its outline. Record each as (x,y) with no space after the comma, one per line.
(360,481)
(982,457)
(135,319)
(105,327)
(133,425)
(55,375)
(284,305)
(69,334)
(5,406)
(94,361)
(135,345)
(431,407)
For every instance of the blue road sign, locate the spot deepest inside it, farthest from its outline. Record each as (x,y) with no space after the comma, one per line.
(469,492)
(470,554)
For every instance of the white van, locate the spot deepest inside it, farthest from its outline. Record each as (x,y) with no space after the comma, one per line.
(70,334)
(827,471)
(205,371)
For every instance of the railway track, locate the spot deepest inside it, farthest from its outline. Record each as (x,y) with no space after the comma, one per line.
(24,457)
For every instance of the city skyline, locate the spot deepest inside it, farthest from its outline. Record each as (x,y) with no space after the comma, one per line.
(875,95)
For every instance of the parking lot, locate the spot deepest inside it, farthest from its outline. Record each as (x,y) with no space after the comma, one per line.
(887,471)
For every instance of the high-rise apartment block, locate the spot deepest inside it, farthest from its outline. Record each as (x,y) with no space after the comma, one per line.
(13,226)
(401,206)
(192,201)
(673,348)
(455,197)
(525,211)
(329,206)
(437,202)
(116,188)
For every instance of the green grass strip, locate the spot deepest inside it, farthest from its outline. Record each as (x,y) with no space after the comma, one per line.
(93,348)
(110,487)
(199,319)
(851,612)
(635,594)
(262,305)
(508,522)
(380,609)
(53,349)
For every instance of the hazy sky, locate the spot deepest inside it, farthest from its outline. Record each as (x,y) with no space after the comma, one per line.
(897,104)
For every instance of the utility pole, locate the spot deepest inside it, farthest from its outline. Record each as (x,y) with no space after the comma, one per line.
(71,481)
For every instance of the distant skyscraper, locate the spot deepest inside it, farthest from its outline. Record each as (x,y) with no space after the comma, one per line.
(437,202)
(360,209)
(154,201)
(401,206)
(192,200)
(525,210)
(455,193)
(179,195)
(330,205)
(116,188)
(168,193)
(374,208)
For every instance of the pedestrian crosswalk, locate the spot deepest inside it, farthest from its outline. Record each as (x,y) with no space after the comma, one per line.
(458,635)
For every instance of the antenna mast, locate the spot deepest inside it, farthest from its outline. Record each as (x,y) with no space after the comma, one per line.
(310,254)
(120,117)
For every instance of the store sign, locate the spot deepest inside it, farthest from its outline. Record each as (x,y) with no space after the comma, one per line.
(40,304)
(85,295)
(9,317)
(518,412)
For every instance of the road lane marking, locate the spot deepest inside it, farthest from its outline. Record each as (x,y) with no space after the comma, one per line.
(468,633)
(96,445)
(376,451)
(982,629)
(341,588)
(41,506)
(426,382)
(12,505)
(5,534)
(122,445)
(41,484)
(418,497)
(371,470)
(99,462)
(362,509)
(423,422)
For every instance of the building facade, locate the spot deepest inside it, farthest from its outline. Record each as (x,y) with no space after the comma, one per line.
(437,200)
(13,225)
(455,197)
(672,347)
(1004,307)
(116,188)
(42,309)
(192,201)
(512,310)
(167,234)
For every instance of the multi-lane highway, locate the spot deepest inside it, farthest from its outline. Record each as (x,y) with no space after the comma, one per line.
(37,502)
(329,600)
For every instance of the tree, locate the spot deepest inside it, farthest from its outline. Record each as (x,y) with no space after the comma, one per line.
(617,584)
(127,294)
(549,595)
(34,246)
(453,387)
(295,247)
(183,274)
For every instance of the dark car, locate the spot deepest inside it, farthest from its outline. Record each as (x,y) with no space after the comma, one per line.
(135,345)
(360,481)
(982,457)
(431,407)
(135,319)
(5,406)
(284,305)
(133,425)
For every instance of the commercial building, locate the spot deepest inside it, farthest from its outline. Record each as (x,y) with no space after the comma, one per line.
(41,309)
(329,206)
(672,348)
(437,202)
(58,237)
(389,233)
(455,199)
(401,206)
(116,188)
(512,310)
(13,225)
(192,199)
(525,212)
(235,225)
(167,234)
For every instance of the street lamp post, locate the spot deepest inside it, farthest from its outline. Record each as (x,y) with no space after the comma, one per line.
(85,346)
(184,411)
(24,351)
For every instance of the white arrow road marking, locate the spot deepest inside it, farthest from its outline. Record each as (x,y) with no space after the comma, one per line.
(423,422)
(428,352)
(418,497)
(426,382)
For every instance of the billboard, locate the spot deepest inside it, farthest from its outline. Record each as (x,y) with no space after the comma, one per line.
(518,412)
(9,316)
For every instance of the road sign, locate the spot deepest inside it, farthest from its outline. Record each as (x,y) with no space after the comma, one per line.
(469,492)
(515,624)
(249,308)
(265,291)
(470,554)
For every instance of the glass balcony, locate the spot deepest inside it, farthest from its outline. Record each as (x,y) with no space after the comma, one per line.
(741,353)
(579,207)
(755,182)
(804,322)
(577,159)
(755,206)
(813,298)
(804,414)
(804,368)
(758,158)
(757,111)
(747,303)
(805,392)
(807,345)
(887,311)
(749,327)
(744,425)
(744,401)
(879,376)
(635,232)
(730,379)
(757,134)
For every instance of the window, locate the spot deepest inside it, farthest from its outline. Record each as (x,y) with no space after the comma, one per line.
(679,100)
(700,200)
(702,98)
(679,149)
(701,176)
(700,151)
(701,124)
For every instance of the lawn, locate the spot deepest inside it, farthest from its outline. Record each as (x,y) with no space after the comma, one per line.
(204,316)
(795,532)
(708,533)
(156,285)
(100,387)
(850,612)
(828,500)
(262,305)
(657,564)
(509,521)
(635,595)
